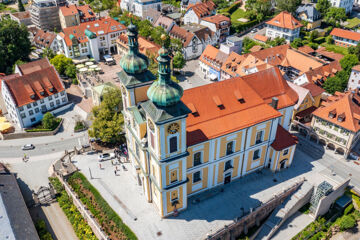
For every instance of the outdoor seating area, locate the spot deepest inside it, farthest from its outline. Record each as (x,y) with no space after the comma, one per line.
(5,126)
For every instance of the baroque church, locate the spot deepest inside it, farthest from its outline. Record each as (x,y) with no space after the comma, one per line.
(182,143)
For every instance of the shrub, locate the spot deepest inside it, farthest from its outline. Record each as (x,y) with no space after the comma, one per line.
(233,7)
(49,121)
(42,230)
(346,222)
(80,125)
(319,40)
(349,209)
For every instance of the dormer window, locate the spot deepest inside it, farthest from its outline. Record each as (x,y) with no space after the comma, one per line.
(51,89)
(341,117)
(42,93)
(32,96)
(332,114)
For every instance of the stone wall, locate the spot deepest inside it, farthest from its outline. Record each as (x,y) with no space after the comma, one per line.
(327,201)
(239,226)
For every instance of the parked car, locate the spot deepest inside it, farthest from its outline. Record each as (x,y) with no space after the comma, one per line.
(254,30)
(28,147)
(109,60)
(106,156)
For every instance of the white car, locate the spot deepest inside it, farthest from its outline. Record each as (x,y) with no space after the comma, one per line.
(28,147)
(254,30)
(106,156)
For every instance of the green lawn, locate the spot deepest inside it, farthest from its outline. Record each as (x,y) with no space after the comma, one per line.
(239,13)
(335,49)
(354,22)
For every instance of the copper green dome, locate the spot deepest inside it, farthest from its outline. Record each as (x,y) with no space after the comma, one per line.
(134,62)
(164,92)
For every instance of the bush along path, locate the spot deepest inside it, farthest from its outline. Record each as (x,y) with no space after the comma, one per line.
(82,229)
(105,215)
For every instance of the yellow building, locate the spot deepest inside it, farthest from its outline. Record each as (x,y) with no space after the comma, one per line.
(181,143)
(308,13)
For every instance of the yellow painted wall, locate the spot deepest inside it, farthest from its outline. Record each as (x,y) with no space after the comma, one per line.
(167,154)
(250,159)
(236,166)
(179,169)
(317,100)
(142,128)
(141,94)
(282,157)
(205,154)
(169,206)
(221,173)
(314,24)
(204,180)
(307,103)
(224,142)
(255,130)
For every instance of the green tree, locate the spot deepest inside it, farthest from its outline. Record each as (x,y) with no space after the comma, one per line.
(70,71)
(323,6)
(145,28)
(178,61)
(115,12)
(348,62)
(313,35)
(288,5)
(49,121)
(176,45)
(277,42)
(335,15)
(49,53)
(21,6)
(332,85)
(296,43)
(107,119)
(14,44)
(258,8)
(346,222)
(61,62)
(329,40)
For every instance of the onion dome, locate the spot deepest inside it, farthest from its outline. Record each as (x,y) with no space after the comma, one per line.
(164,92)
(134,62)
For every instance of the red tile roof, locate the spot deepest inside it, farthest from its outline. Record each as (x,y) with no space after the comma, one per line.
(356,68)
(256,48)
(285,20)
(306,49)
(328,54)
(44,39)
(182,34)
(345,34)
(34,66)
(21,15)
(346,104)
(234,104)
(261,38)
(145,46)
(27,88)
(84,11)
(202,9)
(217,19)
(283,139)
(100,27)
(320,74)
(213,56)
(314,89)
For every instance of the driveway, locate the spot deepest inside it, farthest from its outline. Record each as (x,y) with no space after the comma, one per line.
(191,76)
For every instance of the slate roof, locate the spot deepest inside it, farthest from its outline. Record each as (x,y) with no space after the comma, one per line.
(311,12)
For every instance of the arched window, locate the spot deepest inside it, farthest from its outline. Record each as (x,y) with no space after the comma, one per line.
(173,144)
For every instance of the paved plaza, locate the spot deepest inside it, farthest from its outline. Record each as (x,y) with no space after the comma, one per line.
(198,219)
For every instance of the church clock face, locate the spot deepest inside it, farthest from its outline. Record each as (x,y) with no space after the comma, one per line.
(151,125)
(173,128)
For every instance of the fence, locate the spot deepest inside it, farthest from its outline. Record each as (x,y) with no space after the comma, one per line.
(239,226)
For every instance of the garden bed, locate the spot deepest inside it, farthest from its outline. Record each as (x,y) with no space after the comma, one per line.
(82,229)
(108,219)
(41,128)
(335,49)
(80,126)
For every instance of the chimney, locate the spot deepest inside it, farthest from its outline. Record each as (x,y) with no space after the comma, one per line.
(274,102)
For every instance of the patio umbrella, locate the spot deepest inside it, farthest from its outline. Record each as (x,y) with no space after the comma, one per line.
(93,66)
(80,66)
(97,69)
(91,70)
(84,69)
(89,63)
(92,59)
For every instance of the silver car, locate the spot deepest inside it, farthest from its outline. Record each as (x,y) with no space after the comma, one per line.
(28,147)
(106,156)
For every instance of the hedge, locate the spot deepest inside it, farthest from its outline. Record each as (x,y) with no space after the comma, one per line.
(103,205)
(349,209)
(42,230)
(346,222)
(80,226)
(239,27)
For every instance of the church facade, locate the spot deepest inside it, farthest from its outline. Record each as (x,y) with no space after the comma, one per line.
(181,143)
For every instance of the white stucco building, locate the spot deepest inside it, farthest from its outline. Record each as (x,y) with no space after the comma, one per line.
(192,45)
(139,7)
(219,24)
(283,25)
(347,4)
(90,38)
(33,90)
(195,13)
(354,79)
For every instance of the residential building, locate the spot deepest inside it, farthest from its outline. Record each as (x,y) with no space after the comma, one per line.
(354,79)
(336,123)
(211,61)
(146,47)
(21,18)
(45,14)
(34,89)
(45,39)
(345,38)
(347,4)
(15,220)
(73,15)
(283,25)
(183,142)
(328,56)
(219,24)
(139,7)
(308,12)
(184,4)
(261,38)
(151,15)
(204,34)
(192,45)
(165,22)
(232,44)
(92,39)
(256,48)
(319,74)
(195,13)
(309,101)
(306,49)
(291,62)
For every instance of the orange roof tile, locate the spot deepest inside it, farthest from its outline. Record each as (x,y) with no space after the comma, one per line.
(356,68)
(283,139)
(347,104)
(213,56)
(202,9)
(256,48)
(84,11)
(314,89)
(181,33)
(32,83)
(332,55)
(345,34)
(44,38)
(146,47)
(101,26)
(306,49)
(261,38)
(34,66)
(323,72)
(285,20)
(217,19)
